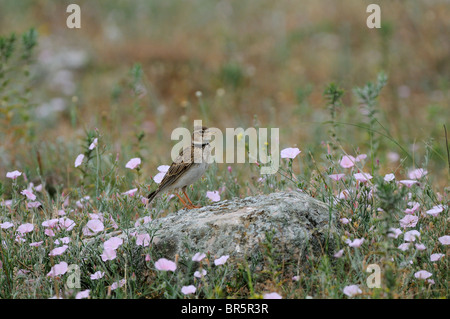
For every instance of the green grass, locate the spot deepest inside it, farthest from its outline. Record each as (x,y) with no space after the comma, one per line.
(131,93)
(373,207)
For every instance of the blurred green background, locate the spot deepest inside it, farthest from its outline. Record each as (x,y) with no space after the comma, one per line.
(133,69)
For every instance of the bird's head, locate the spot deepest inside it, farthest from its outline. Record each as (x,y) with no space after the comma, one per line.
(202,135)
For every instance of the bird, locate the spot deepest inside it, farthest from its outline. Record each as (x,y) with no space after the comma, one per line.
(191,163)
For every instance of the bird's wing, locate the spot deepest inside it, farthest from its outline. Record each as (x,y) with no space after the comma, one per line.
(177,168)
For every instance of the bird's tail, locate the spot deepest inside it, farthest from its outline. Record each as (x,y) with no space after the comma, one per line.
(152,196)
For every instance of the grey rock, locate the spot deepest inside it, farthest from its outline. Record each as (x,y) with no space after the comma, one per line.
(290,224)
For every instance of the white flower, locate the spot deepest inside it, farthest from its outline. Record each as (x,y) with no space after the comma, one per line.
(221,260)
(352,290)
(394,232)
(423,274)
(79,160)
(188,289)
(290,152)
(93,144)
(13,175)
(133,163)
(411,235)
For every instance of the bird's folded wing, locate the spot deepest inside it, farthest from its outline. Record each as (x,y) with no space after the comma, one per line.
(177,168)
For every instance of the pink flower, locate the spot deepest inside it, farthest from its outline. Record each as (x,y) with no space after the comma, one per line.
(143,240)
(87,232)
(83,294)
(408,183)
(81,203)
(290,152)
(360,157)
(188,289)
(213,196)
(339,254)
(113,243)
(345,221)
(159,177)
(51,223)
(445,240)
(356,243)
(79,160)
(272,295)
(13,175)
(64,240)
(423,274)
(19,238)
(411,235)
(147,258)
(28,194)
(420,247)
(436,257)
(296,278)
(25,228)
(49,232)
(66,223)
(222,260)
(95,225)
(393,157)
(108,254)
(118,284)
(133,163)
(58,251)
(199,274)
(345,194)
(347,161)
(394,232)
(198,257)
(409,221)
(165,265)
(336,177)
(362,177)
(6,203)
(96,216)
(417,173)
(58,269)
(435,210)
(33,204)
(142,221)
(113,223)
(97,275)
(162,172)
(389,177)
(36,244)
(93,144)
(6,225)
(163,168)
(131,192)
(352,290)
(404,247)
(413,209)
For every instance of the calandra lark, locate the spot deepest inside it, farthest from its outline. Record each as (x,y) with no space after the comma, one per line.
(188,167)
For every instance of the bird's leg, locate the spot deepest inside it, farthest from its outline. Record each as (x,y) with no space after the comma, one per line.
(182,201)
(191,205)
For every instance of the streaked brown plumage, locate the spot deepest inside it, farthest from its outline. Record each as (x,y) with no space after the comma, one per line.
(184,171)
